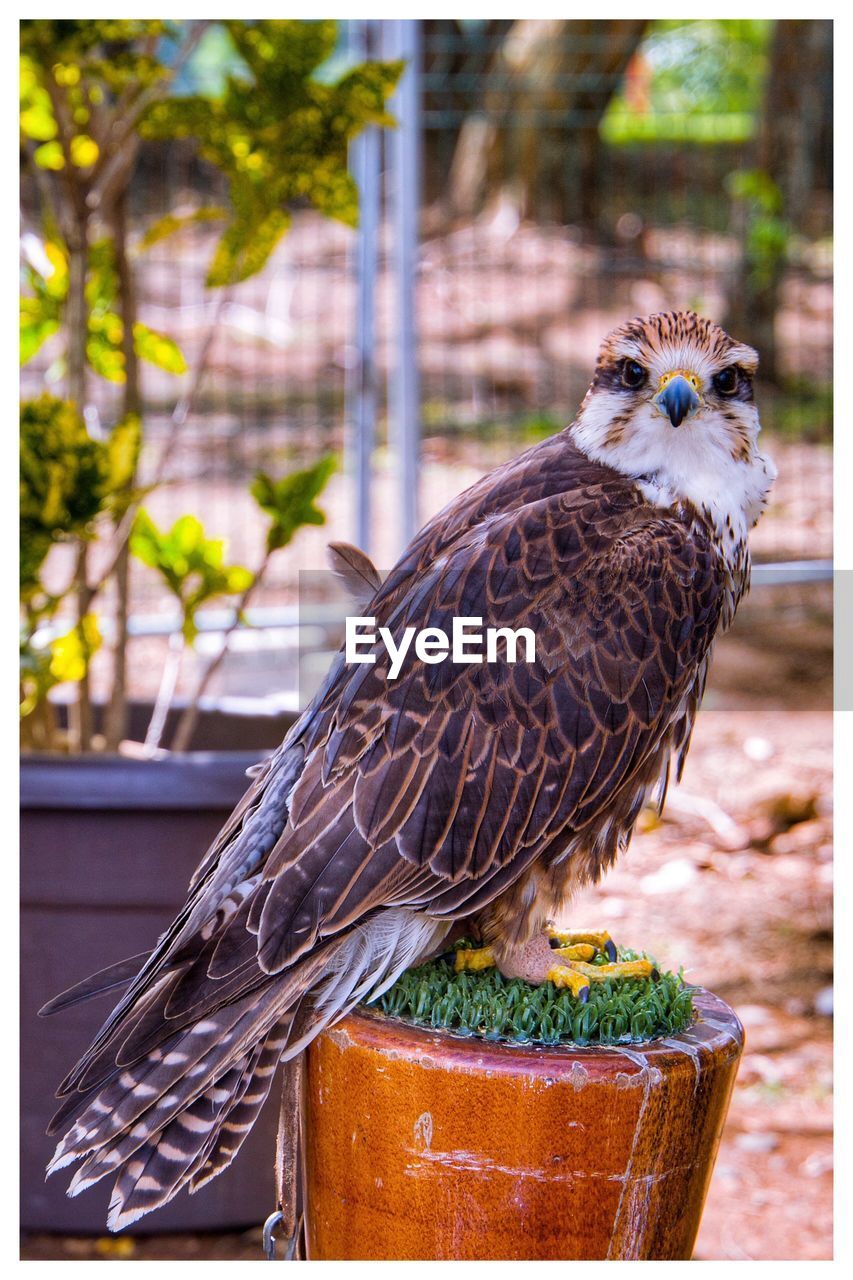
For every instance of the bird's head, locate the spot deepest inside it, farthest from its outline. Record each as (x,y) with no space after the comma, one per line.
(671,401)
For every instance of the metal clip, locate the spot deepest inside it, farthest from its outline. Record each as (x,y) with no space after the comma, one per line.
(269,1239)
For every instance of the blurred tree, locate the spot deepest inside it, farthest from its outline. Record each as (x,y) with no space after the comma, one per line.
(278,134)
(791,163)
(84,88)
(794,136)
(457,53)
(696,80)
(91,92)
(551,80)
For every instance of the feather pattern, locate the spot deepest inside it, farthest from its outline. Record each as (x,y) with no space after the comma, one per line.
(355,571)
(105,980)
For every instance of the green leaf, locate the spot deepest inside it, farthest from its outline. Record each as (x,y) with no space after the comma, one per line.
(190,564)
(158,349)
(290,502)
(45,663)
(284,51)
(56,282)
(84,151)
(67,478)
(173,222)
(245,248)
(35,328)
(63,469)
(71,654)
(122,456)
(280,137)
(49,156)
(755,186)
(41,310)
(237,578)
(35,542)
(36,113)
(103,348)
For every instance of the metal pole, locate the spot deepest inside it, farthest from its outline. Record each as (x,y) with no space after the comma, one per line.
(405,153)
(786,573)
(361,392)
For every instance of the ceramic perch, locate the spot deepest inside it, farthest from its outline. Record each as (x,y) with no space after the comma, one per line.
(428,1145)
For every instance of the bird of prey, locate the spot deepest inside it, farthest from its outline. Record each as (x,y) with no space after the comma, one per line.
(457,800)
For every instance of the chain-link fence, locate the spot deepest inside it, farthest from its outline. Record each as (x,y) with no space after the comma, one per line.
(572,173)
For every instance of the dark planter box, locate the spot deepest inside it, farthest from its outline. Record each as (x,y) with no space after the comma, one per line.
(108,846)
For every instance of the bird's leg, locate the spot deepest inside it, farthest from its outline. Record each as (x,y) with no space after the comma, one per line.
(568,946)
(566,965)
(474,959)
(534,962)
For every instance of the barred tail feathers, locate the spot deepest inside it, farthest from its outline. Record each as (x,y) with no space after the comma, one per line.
(178,1115)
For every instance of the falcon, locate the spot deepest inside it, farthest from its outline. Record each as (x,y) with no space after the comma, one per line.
(457,800)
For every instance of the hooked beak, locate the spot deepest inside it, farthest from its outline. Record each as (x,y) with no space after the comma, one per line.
(677,400)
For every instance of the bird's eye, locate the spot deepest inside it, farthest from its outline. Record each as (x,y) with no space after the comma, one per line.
(633,374)
(725,382)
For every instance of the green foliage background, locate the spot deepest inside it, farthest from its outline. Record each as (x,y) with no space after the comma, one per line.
(705,83)
(276,123)
(278,134)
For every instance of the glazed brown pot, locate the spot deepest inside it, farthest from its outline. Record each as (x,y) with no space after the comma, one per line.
(431,1146)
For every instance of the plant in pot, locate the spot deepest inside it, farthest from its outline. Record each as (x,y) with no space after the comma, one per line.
(111,830)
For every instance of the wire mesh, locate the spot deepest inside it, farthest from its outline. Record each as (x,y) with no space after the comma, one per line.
(571,176)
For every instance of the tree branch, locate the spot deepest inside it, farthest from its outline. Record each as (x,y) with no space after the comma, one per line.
(108,177)
(116,712)
(189,718)
(180,413)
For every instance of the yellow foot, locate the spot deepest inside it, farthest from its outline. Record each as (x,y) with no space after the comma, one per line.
(474,959)
(579,951)
(599,939)
(625,969)
(563,976)
(566,966)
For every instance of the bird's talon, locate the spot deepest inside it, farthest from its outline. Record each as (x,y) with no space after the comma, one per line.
(580,951)
(563,975)
(473,959)
(599,940)
(624,969)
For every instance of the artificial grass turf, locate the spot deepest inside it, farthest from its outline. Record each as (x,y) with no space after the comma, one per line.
(485,1004)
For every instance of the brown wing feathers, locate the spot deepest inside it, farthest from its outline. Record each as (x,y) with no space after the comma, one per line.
(433,793)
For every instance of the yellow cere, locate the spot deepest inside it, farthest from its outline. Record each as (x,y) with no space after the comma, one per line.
(687,374)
